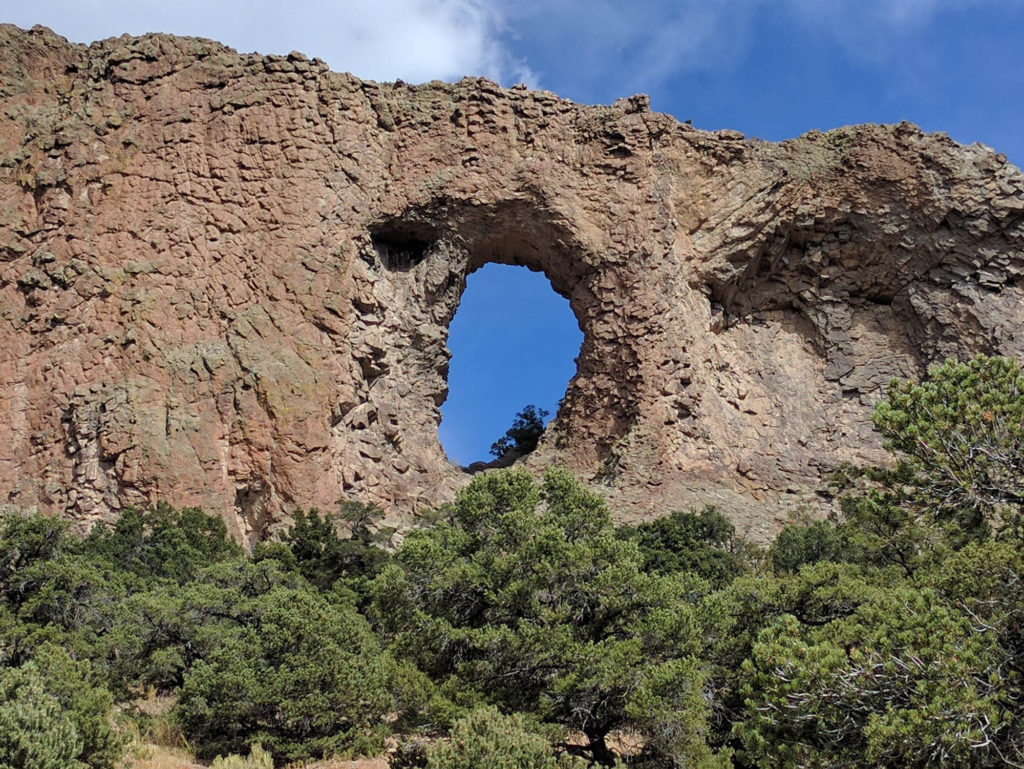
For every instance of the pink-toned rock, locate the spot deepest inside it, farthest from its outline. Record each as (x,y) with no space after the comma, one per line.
(226,281)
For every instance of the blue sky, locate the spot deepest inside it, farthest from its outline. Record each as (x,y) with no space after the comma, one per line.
(770,68)
(513,342)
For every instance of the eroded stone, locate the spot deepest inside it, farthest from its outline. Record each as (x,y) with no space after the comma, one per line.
(226,281)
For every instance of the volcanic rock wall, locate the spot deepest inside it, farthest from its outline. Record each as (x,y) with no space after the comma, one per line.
(226,281)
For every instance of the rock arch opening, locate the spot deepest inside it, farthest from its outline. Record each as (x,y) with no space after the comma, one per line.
(409,275)
(514,343)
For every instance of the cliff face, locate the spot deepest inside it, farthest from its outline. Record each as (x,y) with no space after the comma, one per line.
(226,281)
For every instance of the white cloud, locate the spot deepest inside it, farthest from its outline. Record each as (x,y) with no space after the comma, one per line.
(587,46)
(415,40)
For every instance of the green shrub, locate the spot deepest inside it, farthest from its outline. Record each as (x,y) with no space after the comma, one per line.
(162,543)
(905,680)
(302,676)
(314,547)
(160,634)
(487,738)
(26,541)
(258,758)
(800,544)
(702,543)
(541,608)
(959,440)
(35,732)
(87,705)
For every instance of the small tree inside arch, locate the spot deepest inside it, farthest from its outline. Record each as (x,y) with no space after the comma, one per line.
(524,434)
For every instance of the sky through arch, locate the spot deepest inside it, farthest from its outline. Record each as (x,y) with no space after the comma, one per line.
(514,342)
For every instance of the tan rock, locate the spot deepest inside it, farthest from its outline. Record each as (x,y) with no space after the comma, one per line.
(226,281)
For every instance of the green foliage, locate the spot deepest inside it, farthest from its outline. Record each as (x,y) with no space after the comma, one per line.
(84,702)
(35,732)
(911,652)
(670,708)
(959,437)
(302,676)
(703,543)
(71,597)
(985,582)
(525,596)
(901,681)
(958,441)
(323,556)
(486,737)
(160,634)
(525,624)
(52,713)
(53,598)
(879,530)
(50,593)
(523,436)
(734,617)
(161,543)
(26,540)
(805,543)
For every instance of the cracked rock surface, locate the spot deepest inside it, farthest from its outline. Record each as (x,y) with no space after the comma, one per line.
(226,281)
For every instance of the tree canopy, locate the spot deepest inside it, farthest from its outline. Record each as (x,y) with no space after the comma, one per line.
(523,595)
(959,441)
(523,436)
(519,627)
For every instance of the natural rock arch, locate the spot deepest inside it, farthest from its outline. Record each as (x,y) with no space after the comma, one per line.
(225,281)
(419,262)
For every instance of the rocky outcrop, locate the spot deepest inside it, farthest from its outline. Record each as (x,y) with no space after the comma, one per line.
(226,281)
